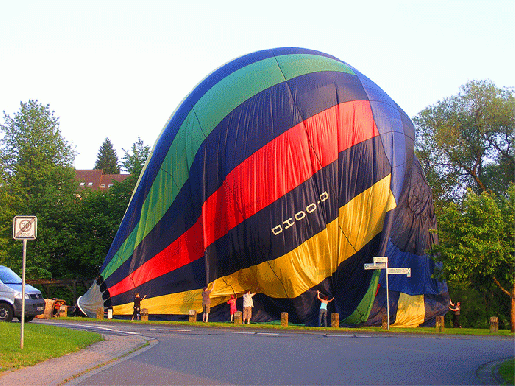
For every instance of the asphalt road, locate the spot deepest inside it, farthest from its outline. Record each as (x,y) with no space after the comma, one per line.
(203,356)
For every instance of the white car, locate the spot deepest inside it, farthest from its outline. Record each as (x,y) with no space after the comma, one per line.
(11,300)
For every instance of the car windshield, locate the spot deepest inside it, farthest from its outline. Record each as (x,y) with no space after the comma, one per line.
(9,277)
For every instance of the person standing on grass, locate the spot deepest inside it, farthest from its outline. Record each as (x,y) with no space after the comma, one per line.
(136,310)
(248,303)
(232,303)
(455,308)
(323,308)
(206,302)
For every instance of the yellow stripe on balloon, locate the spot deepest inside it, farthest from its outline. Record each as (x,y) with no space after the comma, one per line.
(411,311)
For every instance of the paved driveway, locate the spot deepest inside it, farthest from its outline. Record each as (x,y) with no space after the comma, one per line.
(227,356)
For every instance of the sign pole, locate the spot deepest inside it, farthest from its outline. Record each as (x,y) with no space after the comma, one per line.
(387,299)
(23,293)
(381,262)
(24,228)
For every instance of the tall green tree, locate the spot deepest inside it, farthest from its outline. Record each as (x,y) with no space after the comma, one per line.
(107,160)
(468,141)
(37,179)
(476,243)
(134,159)
(98,219)
(465,144)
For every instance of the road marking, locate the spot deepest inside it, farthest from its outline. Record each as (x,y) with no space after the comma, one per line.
(244,332)
(347,336)
(267,333)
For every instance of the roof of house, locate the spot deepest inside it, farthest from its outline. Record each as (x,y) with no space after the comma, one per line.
(96,179)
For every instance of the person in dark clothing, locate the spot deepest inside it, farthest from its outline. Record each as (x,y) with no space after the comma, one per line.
(456,315)
(137,306)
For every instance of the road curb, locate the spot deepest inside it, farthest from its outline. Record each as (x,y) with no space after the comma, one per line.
(78,378)
(488,373)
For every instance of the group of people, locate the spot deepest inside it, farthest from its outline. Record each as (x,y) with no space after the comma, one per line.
(248,304)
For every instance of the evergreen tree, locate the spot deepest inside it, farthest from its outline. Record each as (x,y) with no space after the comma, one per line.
(107,160)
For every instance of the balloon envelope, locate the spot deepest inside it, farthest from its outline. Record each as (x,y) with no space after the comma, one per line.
(283,173)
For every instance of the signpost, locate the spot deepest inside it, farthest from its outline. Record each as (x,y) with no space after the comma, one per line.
(381,262)
(24,228)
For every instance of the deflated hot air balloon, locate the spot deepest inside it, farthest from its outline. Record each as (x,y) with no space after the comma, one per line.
(283,173)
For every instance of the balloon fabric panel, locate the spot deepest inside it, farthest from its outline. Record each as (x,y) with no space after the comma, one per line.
(262,170)
(253,131)
(282,172)
(307,265)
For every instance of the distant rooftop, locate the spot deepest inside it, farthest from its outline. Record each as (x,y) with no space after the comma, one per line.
(96,179)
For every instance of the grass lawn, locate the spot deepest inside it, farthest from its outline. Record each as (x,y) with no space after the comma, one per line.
(507,371)
(41,342)
(297,327)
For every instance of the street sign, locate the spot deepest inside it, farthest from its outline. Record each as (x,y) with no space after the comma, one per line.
(399,271)
(381,259)
(375,266)
(25,227)
(381,262)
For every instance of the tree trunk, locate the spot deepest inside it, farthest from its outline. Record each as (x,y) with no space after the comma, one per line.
(513,309)
(512,298)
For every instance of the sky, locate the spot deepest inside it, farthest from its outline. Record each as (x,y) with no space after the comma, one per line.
(119,69)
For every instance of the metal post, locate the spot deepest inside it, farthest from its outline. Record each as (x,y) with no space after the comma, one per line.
(387,300)
(22,319)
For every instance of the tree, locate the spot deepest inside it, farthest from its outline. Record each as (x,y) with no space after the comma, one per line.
(134,160)
(476,243)
(107,160)
(37,179)
(465,145)
(468,141)
(98,218)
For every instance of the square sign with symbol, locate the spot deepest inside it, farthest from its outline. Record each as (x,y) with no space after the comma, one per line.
(25,227)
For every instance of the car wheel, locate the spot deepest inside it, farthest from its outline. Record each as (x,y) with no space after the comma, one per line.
(28,319)
(6,312)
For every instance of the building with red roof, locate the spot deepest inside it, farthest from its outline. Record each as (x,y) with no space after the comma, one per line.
(96,179)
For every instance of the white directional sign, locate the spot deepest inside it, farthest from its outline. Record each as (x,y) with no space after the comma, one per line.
(399,271)
(381,262)
(25,227)
(375,266)
(381,259)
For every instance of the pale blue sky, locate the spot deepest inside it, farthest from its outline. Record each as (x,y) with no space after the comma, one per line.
(119,69)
